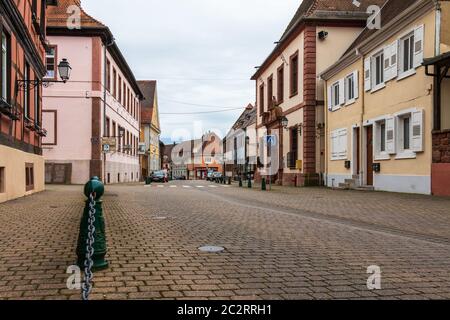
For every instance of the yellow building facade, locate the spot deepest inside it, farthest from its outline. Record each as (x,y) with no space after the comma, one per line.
(380,103)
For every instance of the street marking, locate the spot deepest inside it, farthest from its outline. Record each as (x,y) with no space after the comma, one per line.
(173,187)
(160,186)
(187,187)
(213,186)
(200,186)
(226,186)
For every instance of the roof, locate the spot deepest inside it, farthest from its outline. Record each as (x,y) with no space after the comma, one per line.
(57,17)
(148,88)
(440,60)
(247,118)
(320,11)
(390,10)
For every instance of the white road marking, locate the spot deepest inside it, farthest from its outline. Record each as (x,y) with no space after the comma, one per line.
(187,187)
(160,186)
(173,187)
(213,186)
(200,186)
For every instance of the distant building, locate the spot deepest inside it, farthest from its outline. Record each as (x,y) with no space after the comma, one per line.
(195,158)
(93,120)
(166,159)
(150,128)
(240,146)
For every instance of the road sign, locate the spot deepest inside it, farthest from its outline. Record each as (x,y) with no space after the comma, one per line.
(109,145)
(272,140)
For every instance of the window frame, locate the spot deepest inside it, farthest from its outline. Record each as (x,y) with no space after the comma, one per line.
(349,88)
(26,91)
(5,74)
(379,138)
(262,106)
(335,86)
(378,57)
(29,177)
(280,84)
(294,73)
(55,59)
(402,73)
(402,152)
(108,75)
(2,180)
(270,104)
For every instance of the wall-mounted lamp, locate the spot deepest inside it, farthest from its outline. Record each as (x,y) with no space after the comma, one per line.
(64,69)
(323,35)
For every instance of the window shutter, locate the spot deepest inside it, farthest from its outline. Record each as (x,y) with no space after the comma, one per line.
(342,91)
(367,75)
(343,143)
(417,131)
(356,83)
(394,60)
(334,147)
(387,63)
(330,98)
(418,46)
(390,135)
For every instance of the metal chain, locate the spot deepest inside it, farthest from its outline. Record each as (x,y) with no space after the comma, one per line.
(89,263)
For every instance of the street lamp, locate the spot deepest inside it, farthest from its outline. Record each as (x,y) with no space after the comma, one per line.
(64,69)
(284,122)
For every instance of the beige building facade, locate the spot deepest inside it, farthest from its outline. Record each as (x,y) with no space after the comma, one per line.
(379,99)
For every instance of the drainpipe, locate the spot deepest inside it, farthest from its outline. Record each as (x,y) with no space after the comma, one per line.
(361,131)
(438,28)
(105,49)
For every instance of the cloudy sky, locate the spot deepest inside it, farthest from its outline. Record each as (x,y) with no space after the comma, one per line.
(202,52)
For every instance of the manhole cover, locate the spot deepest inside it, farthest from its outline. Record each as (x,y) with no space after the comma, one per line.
(211,249)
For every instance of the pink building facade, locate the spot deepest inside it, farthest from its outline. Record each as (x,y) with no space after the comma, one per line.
(93,120)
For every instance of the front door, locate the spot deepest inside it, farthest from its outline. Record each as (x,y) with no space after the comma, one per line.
(369,156)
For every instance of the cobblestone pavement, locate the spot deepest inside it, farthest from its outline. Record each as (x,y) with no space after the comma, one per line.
(286,244)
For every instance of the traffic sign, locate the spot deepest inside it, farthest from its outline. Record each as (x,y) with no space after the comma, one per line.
(271,139)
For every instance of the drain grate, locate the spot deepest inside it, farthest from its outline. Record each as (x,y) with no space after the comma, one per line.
(211,249)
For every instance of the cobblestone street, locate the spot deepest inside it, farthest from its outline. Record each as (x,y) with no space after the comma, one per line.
(286,244)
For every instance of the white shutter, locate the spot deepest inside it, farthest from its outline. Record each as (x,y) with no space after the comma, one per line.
(343,143)
(390,135)
(417,131)
(394,60)
(356,83)
(387,63)
(342,91)
(418,46)
(333,145)
(367,75)
(330,98)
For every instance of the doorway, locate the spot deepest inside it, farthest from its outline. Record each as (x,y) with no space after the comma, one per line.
(369,155)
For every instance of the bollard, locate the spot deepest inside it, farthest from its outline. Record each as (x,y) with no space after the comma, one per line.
(263,185)
(240,182)
(100,248)
(249,184)
(229,181)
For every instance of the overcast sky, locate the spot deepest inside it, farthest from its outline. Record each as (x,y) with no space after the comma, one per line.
(202,52)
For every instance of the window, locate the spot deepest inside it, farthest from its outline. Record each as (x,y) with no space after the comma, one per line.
(350,87)
(270,92)
(29,176)
(407,53)
(114,134)
(114,93)
(108,75)
(383,137)
(405,137)
(120,89)
(280,84)
(261,99)
(26,92)
(107,128)
(335,94)
(339,144)
(2,179)
(293,147)
(5,71)
(378,67)
(294,74)
(50,62)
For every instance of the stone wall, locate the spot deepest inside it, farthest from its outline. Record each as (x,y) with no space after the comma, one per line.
(441,146)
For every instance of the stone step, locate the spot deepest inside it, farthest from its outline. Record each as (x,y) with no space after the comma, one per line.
(365,188)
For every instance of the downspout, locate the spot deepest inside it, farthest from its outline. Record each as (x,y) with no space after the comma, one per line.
(105,49)
(362,166)
(438,28)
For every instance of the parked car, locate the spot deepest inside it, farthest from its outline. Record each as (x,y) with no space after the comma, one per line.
(159,176)
(217,175)
(210,176)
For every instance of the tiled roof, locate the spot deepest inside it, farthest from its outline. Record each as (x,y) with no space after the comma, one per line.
(148,88)
(331,10)
(247,118)
(389,11)
(59,15)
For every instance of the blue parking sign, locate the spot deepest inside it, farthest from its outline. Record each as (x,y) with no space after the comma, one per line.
(271,139)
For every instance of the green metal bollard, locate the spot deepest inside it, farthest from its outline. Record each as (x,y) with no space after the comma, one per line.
(240,182)
(263,185)
(100,248)
(249,184)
